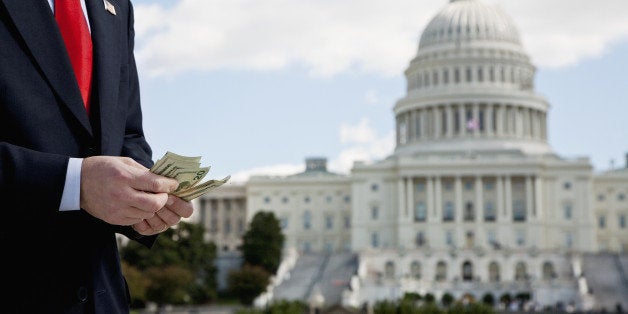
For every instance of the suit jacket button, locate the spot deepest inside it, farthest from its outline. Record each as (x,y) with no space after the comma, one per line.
(81,294)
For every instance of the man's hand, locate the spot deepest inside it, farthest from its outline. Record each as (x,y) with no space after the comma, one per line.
(120,191)
(166,217)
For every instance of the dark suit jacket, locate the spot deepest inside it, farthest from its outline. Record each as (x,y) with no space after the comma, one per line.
(62,261)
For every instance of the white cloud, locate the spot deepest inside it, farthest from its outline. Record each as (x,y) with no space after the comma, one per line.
(274,170)
(365,144)
(329,37)
(361,133)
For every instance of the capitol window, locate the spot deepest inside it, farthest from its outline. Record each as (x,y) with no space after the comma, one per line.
(469,212)
(468,185)
(420,212)
(601,197)
(389,270)
(415,270)
(521,273)
(621,197)
(374,187)
(480,74)
(489,211)
(548,271)
(284,223)
(568,211)
(601,222)
(456,75)
(347,221)
(420,239)
(307,220)
(521,237)
(441,272)
(449,214)
(374,212)
(622,221)
(469,74)
(446,76)
(374,239)
(284,200)
(306,199)
(329,222)
(267,200)
(519,211)
(449,238)
(567,185)
(493,272)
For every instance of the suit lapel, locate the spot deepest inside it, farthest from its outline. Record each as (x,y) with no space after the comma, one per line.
(105,29)
(36,25)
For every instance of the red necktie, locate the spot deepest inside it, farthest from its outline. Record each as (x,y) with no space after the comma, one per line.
(78,42)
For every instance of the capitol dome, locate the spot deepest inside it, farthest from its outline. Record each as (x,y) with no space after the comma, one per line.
(467,20)
(470,87)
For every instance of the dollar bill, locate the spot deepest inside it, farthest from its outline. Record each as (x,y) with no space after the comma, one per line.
(188,172)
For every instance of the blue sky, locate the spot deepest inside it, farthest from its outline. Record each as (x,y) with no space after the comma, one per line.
(258,86)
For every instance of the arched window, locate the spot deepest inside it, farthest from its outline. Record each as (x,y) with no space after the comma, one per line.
(415,270)
(467,271)
(493,272)
(521,272)
(548,271)
(420,239)
(389,270)
(441,271)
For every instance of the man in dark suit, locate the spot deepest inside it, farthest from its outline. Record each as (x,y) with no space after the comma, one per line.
(73,160)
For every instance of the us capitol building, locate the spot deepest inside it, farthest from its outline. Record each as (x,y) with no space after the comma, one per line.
(473,201)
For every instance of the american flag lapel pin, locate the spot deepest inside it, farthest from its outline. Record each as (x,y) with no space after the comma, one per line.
(109,7)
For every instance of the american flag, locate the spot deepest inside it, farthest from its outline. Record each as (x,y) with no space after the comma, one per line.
(473,124)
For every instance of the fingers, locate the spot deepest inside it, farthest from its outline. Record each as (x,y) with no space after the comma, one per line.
(179,207)
(150,182)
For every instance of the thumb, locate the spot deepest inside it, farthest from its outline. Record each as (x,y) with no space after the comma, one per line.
(150,182)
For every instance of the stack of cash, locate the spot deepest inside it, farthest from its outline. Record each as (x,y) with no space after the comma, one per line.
(188,172)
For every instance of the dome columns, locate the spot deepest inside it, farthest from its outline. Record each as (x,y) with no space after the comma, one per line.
(470,120)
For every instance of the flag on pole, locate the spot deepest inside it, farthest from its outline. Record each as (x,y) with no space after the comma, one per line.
(472,124)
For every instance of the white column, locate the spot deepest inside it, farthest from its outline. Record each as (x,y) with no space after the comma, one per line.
(458,191)
(499,185)
(500,119)
(438,198)
(538,197)
(462,120)
(529,198)
(450,121)
(430,194)
(479,199)
(476,117)
(508,196)
(437,124)
(409,198)
(488,119)
(412,126)
(402,209)
(423,123)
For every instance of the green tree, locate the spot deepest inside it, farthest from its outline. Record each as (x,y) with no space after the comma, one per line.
(138,284)
(429,298)
(262,243)
(248,282)
(169,285)
(183,248)
(447,299)
(488,299)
